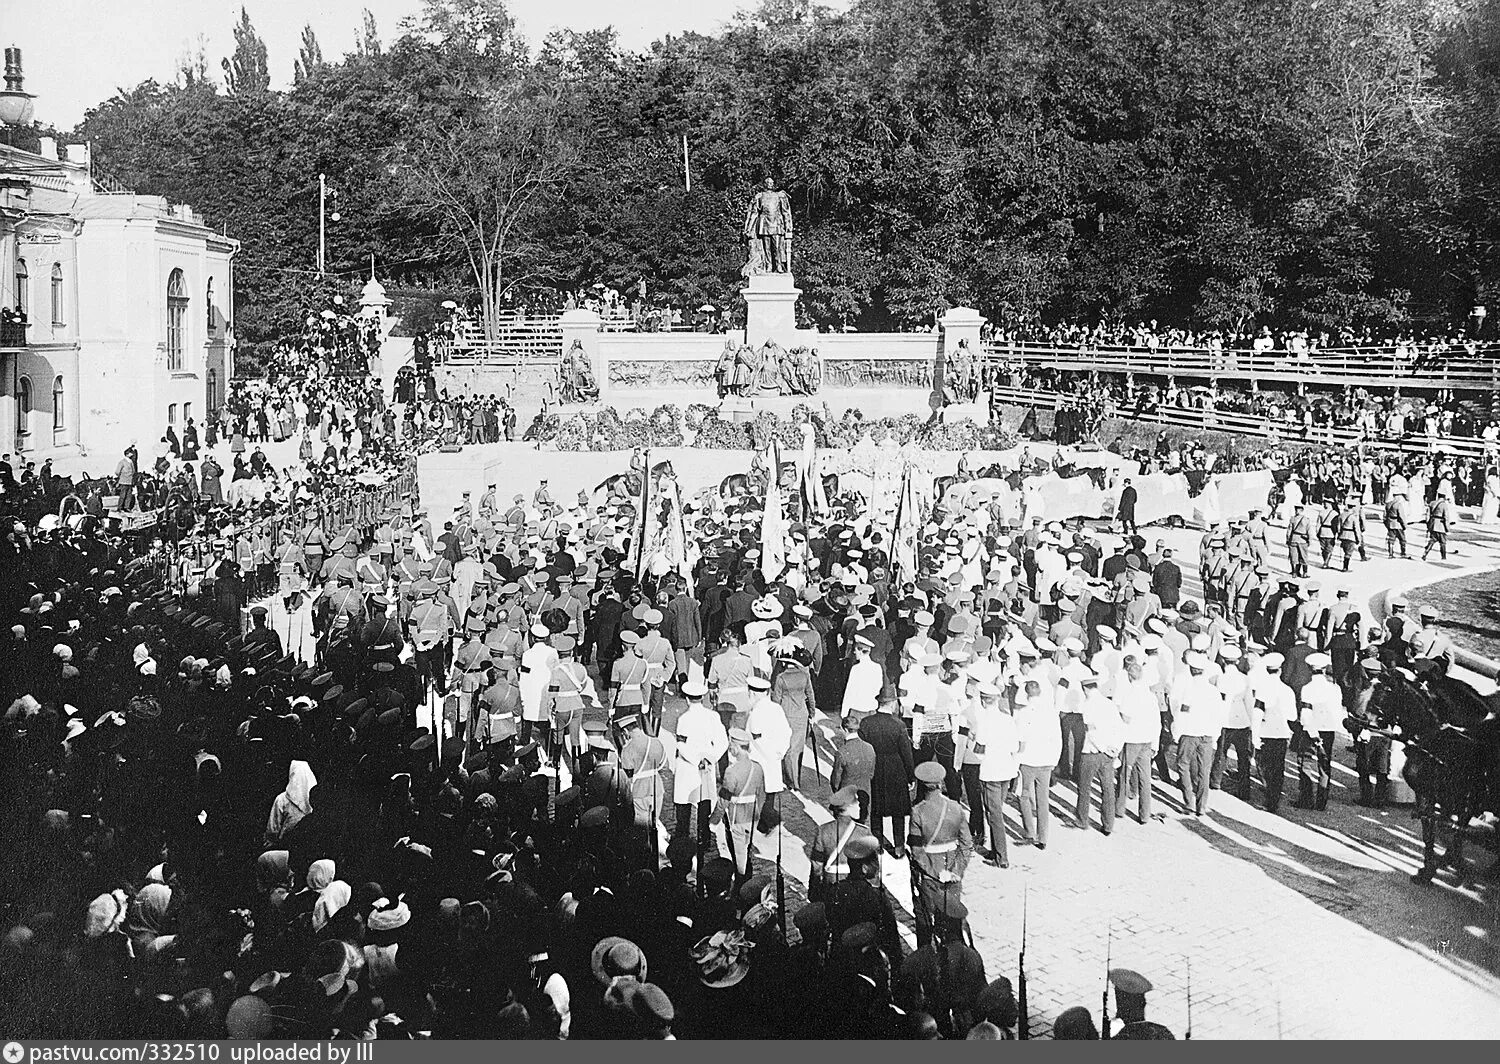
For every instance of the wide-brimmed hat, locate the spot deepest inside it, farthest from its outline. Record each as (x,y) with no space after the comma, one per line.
(722,959)
(615,956)
(767,608)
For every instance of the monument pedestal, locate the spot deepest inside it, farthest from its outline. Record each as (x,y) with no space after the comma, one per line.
(770,309)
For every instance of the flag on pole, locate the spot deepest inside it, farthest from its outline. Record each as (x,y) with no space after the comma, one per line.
(641,541)
(907,530)
(675,541)
(687,173)
(773,522)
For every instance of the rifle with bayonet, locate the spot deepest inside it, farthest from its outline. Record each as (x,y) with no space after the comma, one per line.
(1023,1015)
(1108,943)
(1189,1036)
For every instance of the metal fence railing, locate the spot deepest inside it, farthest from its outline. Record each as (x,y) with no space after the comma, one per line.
(1258,426)
(1449,366)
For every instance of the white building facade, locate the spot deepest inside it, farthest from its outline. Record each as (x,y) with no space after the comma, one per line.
(127,303)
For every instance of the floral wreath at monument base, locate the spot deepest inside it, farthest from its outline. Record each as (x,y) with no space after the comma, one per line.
(700,426)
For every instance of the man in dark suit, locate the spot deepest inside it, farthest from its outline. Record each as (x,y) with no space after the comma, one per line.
(1166,580)
(1126,510)
(602,632)
(890,788)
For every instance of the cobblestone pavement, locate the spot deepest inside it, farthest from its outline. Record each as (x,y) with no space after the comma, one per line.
(1301,925)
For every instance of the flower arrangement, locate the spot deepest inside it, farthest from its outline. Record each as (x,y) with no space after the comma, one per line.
(700,426)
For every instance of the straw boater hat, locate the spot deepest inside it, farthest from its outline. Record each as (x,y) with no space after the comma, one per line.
(767,608)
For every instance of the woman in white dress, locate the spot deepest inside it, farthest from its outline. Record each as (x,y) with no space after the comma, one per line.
(1489,513)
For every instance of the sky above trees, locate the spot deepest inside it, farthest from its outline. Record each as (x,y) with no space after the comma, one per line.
(1251,161)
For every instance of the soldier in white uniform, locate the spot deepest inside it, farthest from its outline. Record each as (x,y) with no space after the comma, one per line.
(770,738)
(701,741)
(536,673)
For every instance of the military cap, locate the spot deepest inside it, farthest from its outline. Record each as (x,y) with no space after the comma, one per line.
(564,644)
(597,817)
(1273,661)
(1318,662)
(694,689)
(1372,665)
(1129,983)
(759,683)
(739,735)
(930,772)
(862,847)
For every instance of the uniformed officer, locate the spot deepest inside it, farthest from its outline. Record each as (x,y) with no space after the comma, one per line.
(1131,989)
(497,716)
(569,692)
(827,853)
(741,793)
(656,650)
(645,759)
(1299,537)
(701,741)
(1372,749)
(471,663)
(291,567)
(628,678)
(261,634)
(542,497)
(430,628)
(341,615)
(940,845)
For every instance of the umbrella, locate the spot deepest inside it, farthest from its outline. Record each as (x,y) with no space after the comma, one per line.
(707,308)
(448,304)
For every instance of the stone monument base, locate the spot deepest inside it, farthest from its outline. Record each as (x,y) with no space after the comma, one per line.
(771,309)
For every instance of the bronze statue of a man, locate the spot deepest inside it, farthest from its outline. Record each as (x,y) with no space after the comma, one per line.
(768,227)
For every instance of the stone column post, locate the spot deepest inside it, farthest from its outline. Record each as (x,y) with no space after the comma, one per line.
(962,324)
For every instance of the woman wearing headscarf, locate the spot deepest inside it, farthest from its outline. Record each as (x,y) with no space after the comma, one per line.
(147,922)
(332,894)
(293,803)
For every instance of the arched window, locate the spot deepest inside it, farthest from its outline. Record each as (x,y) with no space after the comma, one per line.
(177,304)
(208,301)
(213,391)
(172,414)
(59,419)
(23,286)
(23,406)
(57,294)
(187,412)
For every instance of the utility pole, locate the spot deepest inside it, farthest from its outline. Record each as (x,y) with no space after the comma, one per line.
(322,223)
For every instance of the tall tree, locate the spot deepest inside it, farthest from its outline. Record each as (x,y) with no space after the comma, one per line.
(369,37)
(484,177)
(248,70)
(310,59)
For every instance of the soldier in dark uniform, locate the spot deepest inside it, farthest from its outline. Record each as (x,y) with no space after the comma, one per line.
(380,638)
(261,634)
(940,844)
(860,899)
(827,855)
(854,765)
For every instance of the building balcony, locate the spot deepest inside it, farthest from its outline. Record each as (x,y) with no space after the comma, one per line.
(13,333)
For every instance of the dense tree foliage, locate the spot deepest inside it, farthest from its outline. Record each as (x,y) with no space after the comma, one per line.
(1299,162)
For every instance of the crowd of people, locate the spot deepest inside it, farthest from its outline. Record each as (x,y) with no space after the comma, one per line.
(1408,345)
(530,782)
(1370,416)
